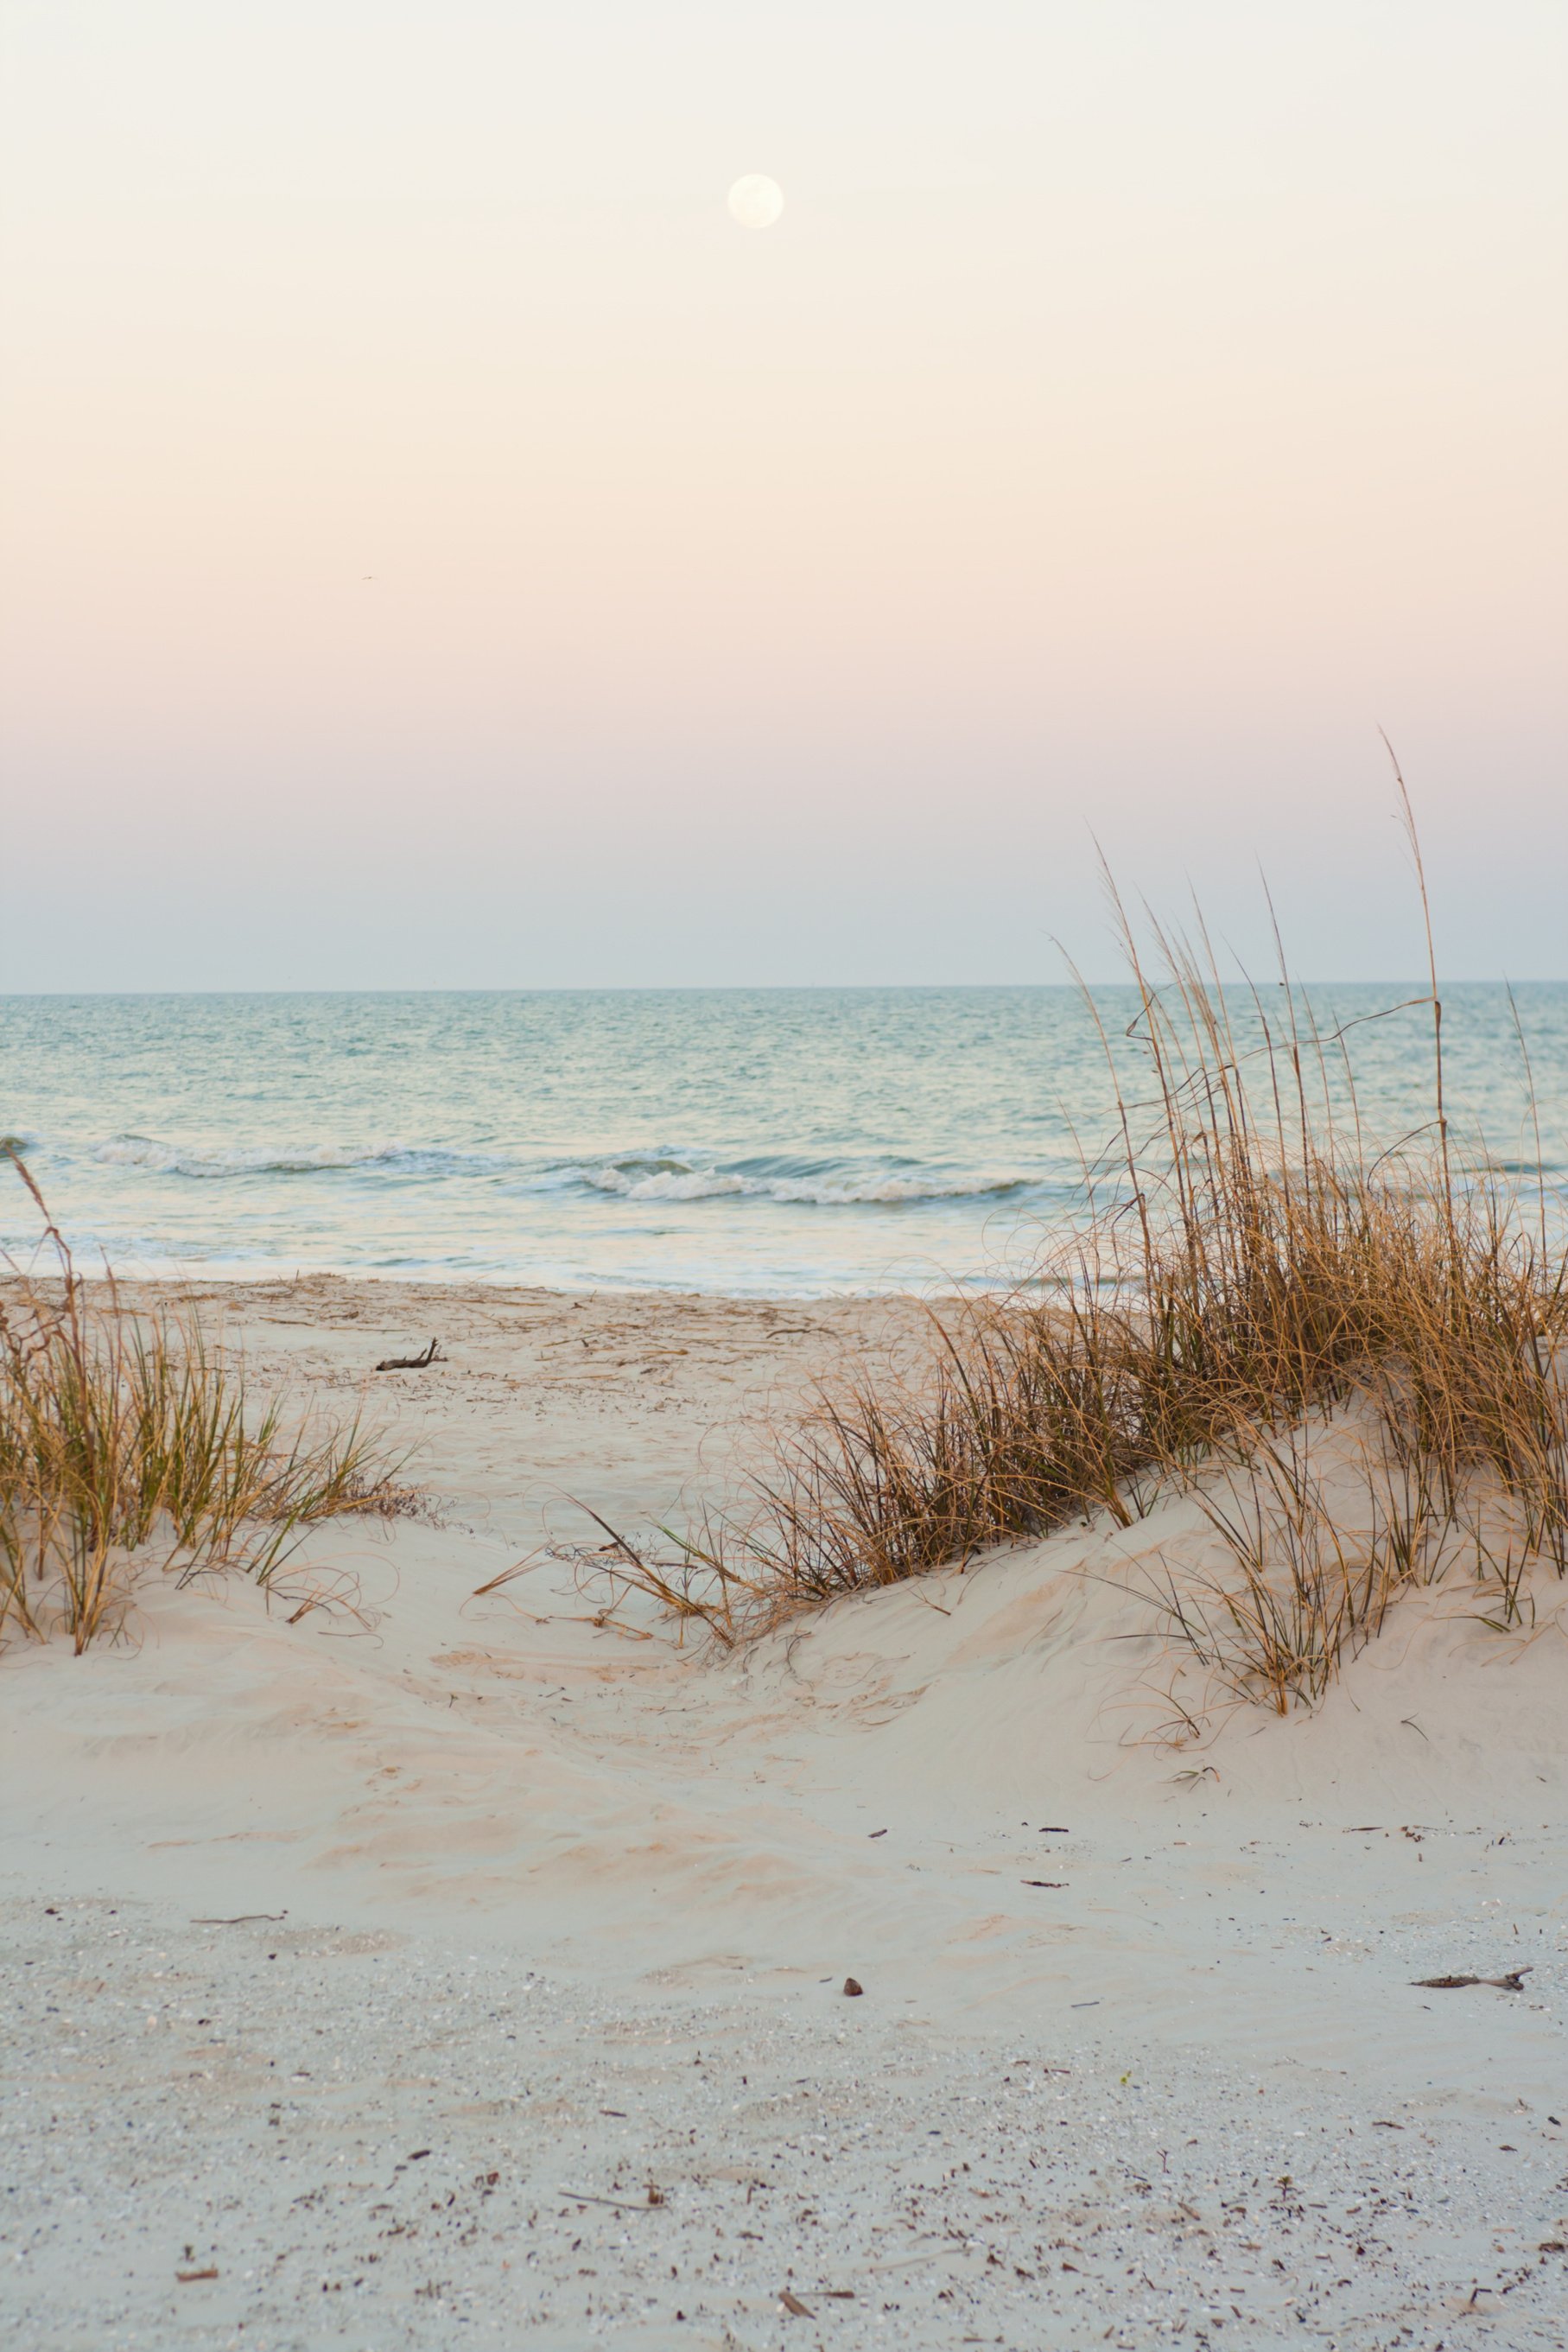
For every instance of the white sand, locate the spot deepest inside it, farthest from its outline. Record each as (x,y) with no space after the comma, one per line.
(574,1909)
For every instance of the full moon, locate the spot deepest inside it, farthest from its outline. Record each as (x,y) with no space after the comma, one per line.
(757,201)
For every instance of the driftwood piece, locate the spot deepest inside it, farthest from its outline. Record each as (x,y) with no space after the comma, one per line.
(1513,1982)
(432,1355)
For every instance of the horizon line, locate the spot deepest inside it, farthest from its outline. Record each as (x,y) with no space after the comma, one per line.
(760,988)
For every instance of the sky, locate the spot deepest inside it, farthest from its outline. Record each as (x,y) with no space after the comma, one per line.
(443,548)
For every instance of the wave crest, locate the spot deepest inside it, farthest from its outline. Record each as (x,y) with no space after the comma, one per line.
(637,1180)
(639,1176)
(271,1160)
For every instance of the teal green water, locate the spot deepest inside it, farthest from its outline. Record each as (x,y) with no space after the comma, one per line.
(764,1141)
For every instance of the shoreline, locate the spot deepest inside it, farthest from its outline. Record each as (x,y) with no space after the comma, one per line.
(562,1899)
(261,1275)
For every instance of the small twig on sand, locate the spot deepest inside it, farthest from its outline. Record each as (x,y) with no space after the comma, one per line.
(432,1355)
(1513,1981)
(622,2204)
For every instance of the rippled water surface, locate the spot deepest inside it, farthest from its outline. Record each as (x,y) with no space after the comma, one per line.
(770,1140)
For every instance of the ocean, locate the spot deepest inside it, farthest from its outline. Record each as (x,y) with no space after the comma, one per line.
(765,1142)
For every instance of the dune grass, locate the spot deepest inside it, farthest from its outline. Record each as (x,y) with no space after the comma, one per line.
(1257,1308)
(124,1441)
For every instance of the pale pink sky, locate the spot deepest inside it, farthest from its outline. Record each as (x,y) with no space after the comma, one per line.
(1136,405)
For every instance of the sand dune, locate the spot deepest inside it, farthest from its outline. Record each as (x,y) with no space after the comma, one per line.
(481,1831)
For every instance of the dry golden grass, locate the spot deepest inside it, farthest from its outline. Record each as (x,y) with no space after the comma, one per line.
(122,1438)
(1254,1294)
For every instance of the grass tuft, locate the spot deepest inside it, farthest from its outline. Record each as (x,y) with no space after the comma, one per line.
(1255,1298)
(121,1436)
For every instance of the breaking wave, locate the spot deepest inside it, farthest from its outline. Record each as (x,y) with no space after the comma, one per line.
(639,1181)
(635,1176)
(307,1159)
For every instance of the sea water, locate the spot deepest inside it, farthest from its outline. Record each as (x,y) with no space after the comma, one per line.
(775,1141)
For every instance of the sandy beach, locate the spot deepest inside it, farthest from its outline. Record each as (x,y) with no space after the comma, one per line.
(392,1966)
